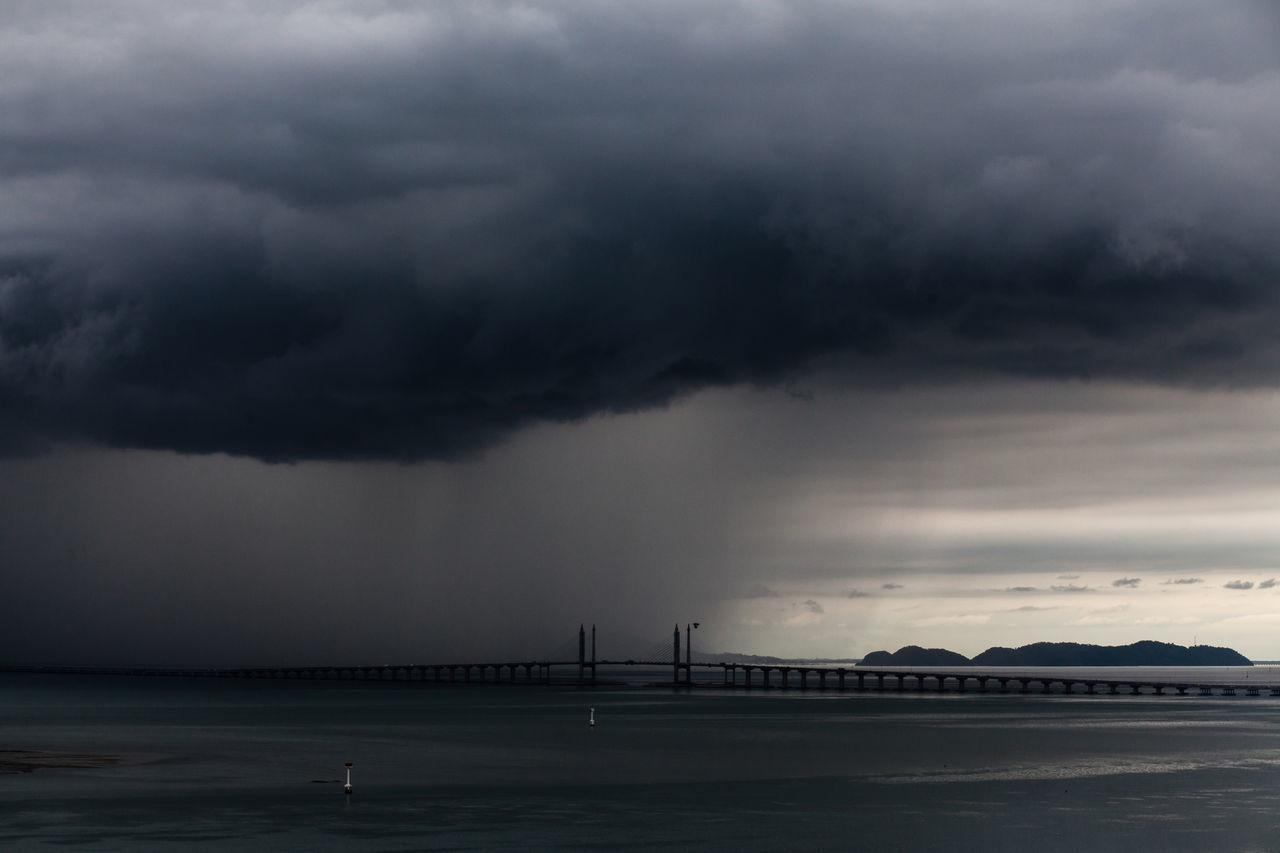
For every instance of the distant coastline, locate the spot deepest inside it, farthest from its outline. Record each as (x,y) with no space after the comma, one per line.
(1144,653)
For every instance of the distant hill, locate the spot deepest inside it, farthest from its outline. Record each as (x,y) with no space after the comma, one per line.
(915,656)
(1144,653)
(738,657)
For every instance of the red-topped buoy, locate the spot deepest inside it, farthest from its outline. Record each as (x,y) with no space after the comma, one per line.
(347,787)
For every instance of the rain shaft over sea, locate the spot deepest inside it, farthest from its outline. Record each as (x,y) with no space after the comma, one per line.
(210,764)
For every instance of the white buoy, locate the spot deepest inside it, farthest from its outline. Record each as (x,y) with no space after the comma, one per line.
(347,787)
(591,721)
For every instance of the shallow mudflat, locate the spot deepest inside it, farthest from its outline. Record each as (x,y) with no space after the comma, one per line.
(27,760)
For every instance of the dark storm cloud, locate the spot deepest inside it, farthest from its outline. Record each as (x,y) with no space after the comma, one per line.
(1130,583)
(1267,584)
(1238,585)
(1071,587)
(1182,581)
(405,231)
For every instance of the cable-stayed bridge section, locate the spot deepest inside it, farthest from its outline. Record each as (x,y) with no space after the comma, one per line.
(585,670)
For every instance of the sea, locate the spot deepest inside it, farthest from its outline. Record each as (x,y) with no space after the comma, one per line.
(164,764)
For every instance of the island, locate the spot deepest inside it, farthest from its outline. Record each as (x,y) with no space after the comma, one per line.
(1144,653)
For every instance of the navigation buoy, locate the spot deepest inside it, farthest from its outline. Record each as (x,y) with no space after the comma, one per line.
(591,720)
(347,787)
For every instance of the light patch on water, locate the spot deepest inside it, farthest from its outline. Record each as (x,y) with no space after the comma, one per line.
(1088,769)
(1059,723)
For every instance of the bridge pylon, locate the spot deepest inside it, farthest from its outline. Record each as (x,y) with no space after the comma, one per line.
(583,663)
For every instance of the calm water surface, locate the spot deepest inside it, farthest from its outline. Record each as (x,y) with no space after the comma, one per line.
(242,765)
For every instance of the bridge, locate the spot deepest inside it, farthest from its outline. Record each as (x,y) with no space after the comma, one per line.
(583,672)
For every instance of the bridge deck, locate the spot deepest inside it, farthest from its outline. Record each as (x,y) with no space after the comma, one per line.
(747,676)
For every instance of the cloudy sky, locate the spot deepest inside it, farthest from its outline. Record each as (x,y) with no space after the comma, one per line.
(400,331)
